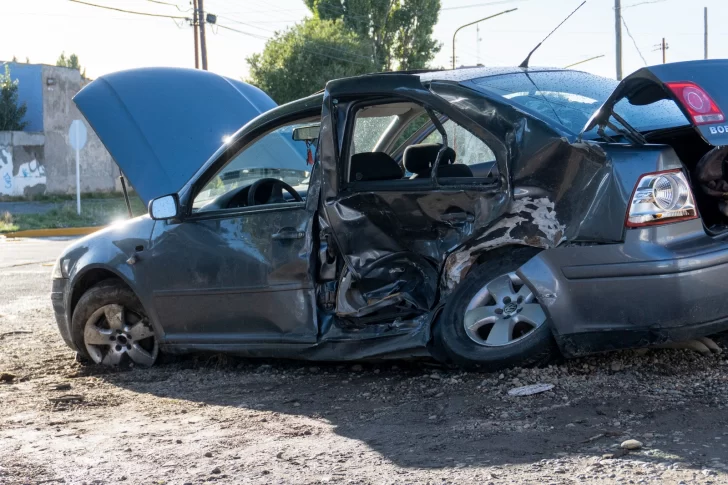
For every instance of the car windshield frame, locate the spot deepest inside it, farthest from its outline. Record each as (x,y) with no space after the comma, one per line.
(592,91)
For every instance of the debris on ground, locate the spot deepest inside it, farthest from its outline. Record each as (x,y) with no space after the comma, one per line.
(530,390)
(6,377)
(631,445)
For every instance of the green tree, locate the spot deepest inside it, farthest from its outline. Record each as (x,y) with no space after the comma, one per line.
(11,114)
(299,61)
(70,61)
(399,31)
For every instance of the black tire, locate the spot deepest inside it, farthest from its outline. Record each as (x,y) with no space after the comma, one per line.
(450,337)
(107,292)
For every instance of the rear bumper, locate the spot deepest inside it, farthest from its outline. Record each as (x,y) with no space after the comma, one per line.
(664,283)
(58,299)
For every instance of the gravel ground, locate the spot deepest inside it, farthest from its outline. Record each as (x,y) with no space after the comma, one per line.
(209,418)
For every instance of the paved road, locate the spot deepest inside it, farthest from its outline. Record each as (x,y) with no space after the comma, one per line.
(22,251)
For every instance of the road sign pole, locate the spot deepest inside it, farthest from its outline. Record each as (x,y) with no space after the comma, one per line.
(78,173)
(77,136)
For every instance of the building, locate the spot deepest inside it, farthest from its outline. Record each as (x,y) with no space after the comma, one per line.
(39,159)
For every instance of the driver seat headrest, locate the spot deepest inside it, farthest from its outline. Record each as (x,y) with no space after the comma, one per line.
(419,159)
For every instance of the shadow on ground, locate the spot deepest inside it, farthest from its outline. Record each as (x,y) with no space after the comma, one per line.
(420,415)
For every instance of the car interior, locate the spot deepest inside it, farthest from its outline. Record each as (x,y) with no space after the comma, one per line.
(392,141)
(399,141)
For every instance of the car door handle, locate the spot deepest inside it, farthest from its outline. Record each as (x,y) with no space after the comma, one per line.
(288,233)
(460,216)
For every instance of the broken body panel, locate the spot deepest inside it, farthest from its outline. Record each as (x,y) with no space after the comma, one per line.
(377,262)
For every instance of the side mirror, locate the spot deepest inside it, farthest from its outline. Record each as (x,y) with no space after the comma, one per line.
(306,133)
(165,207)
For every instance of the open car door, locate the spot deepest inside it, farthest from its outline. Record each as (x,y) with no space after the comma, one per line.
(393,228)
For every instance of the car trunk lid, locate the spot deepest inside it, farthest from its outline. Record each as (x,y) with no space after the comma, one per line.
(161,124)
(697,87)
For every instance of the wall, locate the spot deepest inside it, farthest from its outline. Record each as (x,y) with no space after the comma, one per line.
(29,91)
(98,170)
(22,170)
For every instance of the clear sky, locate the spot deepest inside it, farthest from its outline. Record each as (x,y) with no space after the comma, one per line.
(107,41)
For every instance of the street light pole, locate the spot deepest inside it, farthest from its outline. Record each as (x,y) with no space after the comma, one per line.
(468,25)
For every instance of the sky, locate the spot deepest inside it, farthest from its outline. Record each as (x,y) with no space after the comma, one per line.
(108,41)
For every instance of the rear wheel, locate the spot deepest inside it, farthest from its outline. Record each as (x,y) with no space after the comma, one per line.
(493,320)
(111,328)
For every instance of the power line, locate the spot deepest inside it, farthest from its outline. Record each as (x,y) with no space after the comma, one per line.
(643,3)
(633,41)
(484,4)
(257,36)
(305,49)
(334,49)
(170,4)
(130,11)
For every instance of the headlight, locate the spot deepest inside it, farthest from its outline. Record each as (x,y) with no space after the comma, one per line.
(61,268)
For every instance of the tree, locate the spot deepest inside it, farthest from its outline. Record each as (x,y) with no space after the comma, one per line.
(70,61)
(11,114)
(299,61)
(399,31)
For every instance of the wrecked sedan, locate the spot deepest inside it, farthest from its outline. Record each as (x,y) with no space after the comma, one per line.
(488,217)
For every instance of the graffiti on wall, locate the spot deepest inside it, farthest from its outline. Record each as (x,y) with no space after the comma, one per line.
(27,177)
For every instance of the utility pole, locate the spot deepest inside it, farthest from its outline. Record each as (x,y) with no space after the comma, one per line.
(705,32)
(662,47)
(618,35)
(203,44)
(195,26)
(477,44)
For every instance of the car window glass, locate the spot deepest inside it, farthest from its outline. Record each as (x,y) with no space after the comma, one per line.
(571,97)
(368,131)
(469,148)
(274,155)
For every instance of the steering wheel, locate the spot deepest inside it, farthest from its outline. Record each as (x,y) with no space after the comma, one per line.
(270,191)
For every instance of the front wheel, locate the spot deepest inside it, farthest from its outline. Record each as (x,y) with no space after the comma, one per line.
(493,320)
(111,328)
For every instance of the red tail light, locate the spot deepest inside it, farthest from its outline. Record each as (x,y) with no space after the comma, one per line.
(700,106)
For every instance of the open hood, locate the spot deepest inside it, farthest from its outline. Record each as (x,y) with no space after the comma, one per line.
(697,87)
(162,124)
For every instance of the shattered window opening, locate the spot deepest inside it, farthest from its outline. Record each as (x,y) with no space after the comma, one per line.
(377,129)
(575,96)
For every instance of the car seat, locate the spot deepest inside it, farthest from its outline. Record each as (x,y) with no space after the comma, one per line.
(419,159)
(369,166)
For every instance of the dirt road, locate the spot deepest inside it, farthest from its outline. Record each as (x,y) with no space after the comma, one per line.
(225,420)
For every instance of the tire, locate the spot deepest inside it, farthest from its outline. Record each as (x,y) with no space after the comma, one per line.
(110,327)
(521,337)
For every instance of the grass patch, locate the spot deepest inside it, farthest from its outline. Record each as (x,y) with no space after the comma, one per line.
(62,197)
(94,212)
(7,223)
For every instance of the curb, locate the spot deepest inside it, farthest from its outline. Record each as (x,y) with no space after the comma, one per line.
(60,232)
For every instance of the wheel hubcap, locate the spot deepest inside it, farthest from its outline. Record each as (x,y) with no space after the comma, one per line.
(113,335)
(504,311)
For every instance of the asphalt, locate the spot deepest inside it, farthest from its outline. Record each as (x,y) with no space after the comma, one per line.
(24,251)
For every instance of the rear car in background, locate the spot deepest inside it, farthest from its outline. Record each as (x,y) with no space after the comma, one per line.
(488,217)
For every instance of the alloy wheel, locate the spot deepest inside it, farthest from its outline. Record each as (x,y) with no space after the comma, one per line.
(503,312)
(114,335)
